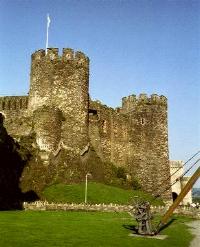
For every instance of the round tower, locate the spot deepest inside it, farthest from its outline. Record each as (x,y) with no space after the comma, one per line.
(62,81)
(47,125)
(148,141)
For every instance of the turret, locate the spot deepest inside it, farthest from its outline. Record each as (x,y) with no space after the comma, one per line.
(148,140)
(51,75)
(62,81)
(130,102)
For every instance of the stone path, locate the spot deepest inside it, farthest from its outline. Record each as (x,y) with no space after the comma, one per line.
(195,229)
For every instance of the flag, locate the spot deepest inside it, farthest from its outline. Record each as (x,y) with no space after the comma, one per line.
(48,20)
(48,24)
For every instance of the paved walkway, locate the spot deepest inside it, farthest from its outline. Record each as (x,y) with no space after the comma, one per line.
(195,229)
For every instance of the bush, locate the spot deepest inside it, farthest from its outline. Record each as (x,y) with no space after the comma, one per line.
(134,183)
(121,173)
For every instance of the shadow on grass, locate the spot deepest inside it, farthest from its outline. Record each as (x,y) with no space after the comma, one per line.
(166,225)
(132,228)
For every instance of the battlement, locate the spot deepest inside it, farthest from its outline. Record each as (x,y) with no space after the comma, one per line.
(132,100)
(67,55)
(9,103)
(176,163)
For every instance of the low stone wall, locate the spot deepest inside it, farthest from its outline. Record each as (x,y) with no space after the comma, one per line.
(182,210)
(43,206)
(40,205)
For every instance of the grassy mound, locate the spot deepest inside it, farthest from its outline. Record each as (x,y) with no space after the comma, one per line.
(97,193)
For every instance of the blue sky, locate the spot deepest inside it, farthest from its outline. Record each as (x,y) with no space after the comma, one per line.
(134,47)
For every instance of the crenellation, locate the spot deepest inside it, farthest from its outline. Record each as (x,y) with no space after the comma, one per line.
(68,54)
(143,98)
(163,100)
(52,53)
(78,57)
(12,103)
(58,110)
(131,102)
(154,98)
(38,55)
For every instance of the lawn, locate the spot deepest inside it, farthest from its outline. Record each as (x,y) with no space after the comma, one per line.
(97,193)
(51,229)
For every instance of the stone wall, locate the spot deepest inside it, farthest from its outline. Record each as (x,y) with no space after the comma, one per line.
(108,133)
(68,126)
(135,136)
(176,169)
(42,206)
(16,118)
(13,103)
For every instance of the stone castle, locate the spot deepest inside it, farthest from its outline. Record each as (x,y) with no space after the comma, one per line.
(61,114)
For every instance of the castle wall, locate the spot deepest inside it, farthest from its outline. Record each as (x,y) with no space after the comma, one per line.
(135,136)
(108,133)
(176,169)
(188,198)
(58,110)
(14,110)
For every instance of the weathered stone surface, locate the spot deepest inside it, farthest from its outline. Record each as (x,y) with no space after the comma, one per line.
(134,136)
(71,131)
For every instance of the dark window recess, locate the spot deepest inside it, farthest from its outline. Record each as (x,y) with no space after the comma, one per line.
(142,121)
(92,112)
(174,196)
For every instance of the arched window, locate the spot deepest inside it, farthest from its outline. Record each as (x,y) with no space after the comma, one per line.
(142,121)
(174,196)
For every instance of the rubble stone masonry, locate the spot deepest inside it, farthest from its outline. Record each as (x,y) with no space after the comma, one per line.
(58,110)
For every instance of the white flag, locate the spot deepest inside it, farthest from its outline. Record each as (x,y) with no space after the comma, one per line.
(48,20)
(47,40)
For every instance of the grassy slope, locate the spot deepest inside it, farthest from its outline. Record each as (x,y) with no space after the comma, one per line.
(97,193)
(61,229)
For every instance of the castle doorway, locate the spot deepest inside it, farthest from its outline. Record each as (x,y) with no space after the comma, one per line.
(174,196)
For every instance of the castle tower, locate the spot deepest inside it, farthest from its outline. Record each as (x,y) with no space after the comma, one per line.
(148,158)
(47,125)
(62,82)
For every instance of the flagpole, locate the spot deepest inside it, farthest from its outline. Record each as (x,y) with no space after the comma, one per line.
(47,37)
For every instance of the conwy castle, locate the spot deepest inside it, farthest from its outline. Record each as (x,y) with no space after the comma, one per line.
(67,132)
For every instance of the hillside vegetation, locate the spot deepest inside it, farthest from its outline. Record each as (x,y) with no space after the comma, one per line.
(97,193)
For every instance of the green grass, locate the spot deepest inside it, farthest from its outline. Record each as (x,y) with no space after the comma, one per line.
(83,229)
(97,193)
